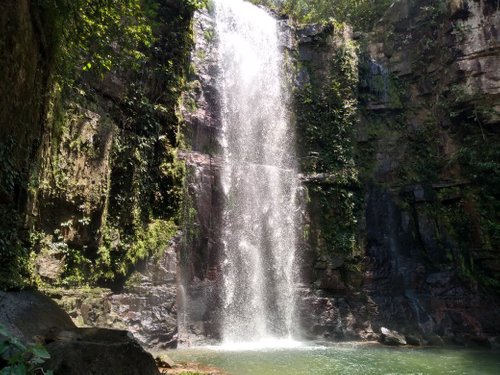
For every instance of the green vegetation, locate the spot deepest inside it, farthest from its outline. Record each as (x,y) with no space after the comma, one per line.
(424,161)
(110,34)
(13,254)
(335,209)
(479,159)
(17,358)
(359,13)
(146,177)
(131,211)
(326,110)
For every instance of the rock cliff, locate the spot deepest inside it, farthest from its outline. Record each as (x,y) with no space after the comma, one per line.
(28,53)
(399,153)
(91,182)
(398,132)
(425,161)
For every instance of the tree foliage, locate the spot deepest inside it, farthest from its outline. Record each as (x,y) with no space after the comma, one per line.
(98,35)
(17,358)
(359,13)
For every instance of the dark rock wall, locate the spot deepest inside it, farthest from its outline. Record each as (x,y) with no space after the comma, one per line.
(201,246)
(334,303)
(429,248)
(424,151)
(27,55)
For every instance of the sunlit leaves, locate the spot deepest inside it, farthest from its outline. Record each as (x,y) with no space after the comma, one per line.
(360,13)
(99,35)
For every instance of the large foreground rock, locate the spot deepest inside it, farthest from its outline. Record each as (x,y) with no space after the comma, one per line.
(33,316)
(100,352)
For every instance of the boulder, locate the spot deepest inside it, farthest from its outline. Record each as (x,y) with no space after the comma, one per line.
(434,340)
(391,338)
(34,317)
(495,342)
(98,351)
(164,361)
(413,340)
(478,341)
(28,314)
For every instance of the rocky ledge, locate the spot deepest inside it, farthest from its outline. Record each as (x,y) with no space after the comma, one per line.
(34,318)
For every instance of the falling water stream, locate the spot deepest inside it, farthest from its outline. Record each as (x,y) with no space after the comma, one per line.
(259,177)
(261,222)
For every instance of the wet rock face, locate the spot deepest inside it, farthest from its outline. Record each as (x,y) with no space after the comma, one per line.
(147,306)
(33,317)
(200,277)
(411,295)
(411,269)
(200,102)
(205,190)
(409,277)
(201,244)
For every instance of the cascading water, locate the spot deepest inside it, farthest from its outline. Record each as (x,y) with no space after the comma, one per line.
(259,175)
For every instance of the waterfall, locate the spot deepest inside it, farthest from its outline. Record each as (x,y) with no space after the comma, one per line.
(259,177)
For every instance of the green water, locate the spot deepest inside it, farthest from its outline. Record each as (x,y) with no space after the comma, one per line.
(346,359)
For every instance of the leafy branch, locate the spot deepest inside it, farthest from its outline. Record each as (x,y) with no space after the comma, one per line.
(17,358)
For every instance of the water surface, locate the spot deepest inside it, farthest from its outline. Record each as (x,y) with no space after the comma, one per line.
(345,359)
